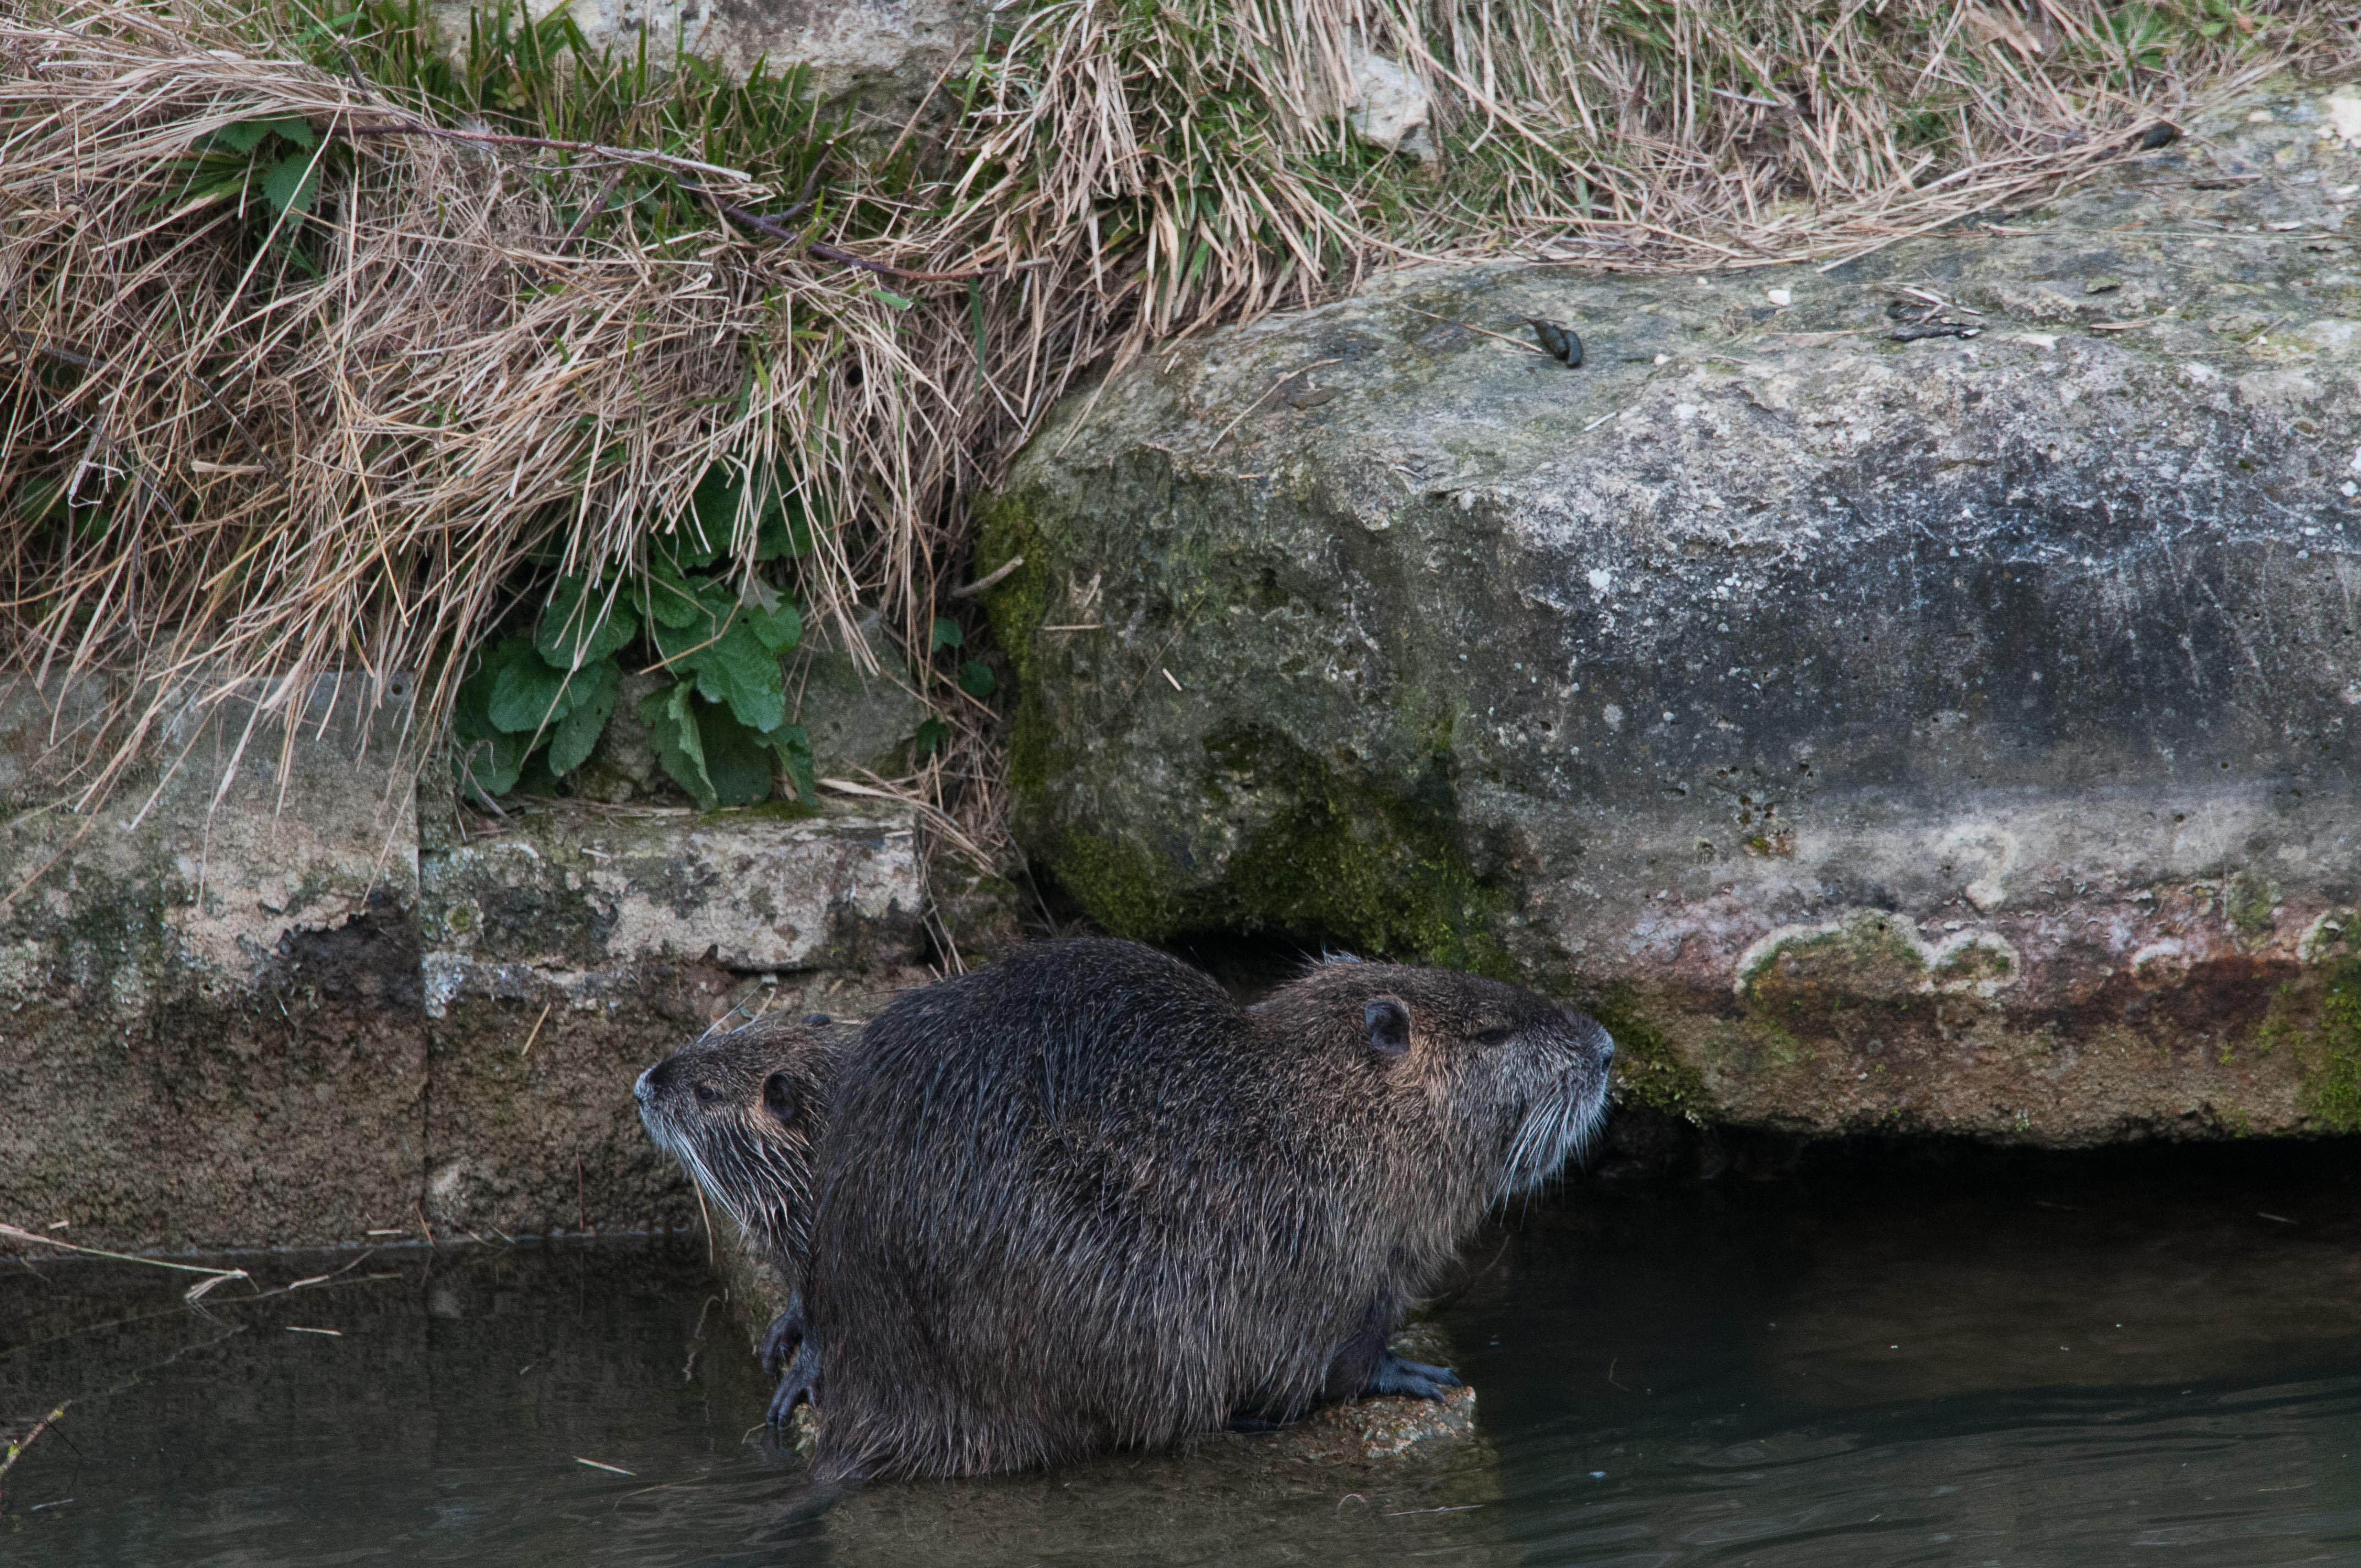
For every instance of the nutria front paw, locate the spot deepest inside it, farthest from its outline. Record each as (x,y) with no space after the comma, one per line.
(786,1331)
(801,1384)
(1408,1380)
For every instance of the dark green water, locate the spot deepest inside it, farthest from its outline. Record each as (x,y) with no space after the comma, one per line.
(2084,1363)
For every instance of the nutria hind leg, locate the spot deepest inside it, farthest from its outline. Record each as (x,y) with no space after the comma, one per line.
(800,1384)
(1408,1380)
(786,1331)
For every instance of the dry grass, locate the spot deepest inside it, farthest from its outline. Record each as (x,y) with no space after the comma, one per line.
(525,311)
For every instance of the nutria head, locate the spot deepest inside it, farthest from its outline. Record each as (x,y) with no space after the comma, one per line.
(1515,1079)
(743,1113)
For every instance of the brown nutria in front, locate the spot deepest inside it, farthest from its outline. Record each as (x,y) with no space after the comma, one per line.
(743,1113)
(1080,1199)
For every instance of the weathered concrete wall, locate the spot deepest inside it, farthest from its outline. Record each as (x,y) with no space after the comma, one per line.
(568,950)
(207,1011)
(1954,734)
(302,1010)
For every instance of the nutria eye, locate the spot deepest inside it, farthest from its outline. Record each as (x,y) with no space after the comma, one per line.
(707,1094)
(1494,1036)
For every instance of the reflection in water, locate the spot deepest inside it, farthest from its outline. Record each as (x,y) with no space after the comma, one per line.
(2097,1366)
(446,1418)
(2068,1364)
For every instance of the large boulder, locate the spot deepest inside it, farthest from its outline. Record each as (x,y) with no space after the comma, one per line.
(1952,734)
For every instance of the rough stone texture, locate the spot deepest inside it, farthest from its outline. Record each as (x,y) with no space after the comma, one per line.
(202,1001)
(885,52)
(243,1016)
(574,948)
(1954,735)
(857,720)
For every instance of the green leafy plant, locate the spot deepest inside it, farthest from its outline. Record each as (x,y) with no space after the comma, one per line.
(533,707)
(272,167)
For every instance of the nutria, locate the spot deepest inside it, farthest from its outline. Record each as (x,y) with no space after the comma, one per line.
(743,1113)
(1080,1199)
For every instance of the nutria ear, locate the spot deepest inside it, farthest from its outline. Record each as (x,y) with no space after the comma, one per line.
(780,1098)
(1388,1022)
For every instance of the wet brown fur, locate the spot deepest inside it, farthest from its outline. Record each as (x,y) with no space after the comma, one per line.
(1081,1201)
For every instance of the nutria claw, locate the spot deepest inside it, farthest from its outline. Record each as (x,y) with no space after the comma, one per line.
(786,1331)
(800,1385)
(1403,1378)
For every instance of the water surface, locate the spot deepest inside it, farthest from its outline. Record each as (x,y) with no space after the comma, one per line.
(2069,1363)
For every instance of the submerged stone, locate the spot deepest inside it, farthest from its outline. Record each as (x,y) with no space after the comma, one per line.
(1879,731)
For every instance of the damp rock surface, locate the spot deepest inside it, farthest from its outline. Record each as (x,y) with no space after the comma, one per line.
(272,990)
(1952,734)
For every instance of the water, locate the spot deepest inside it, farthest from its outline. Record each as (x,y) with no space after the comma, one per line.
(2085,1363)
(2077,1364)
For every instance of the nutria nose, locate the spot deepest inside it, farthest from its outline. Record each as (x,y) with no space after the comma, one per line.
(1599,1039)
(643,1088)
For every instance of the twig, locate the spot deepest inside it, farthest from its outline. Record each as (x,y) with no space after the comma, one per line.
(1258,403)
(17,1449)
(628,154)
(988,579)
(214,1275)
(537,1023)
(1499,336)
(590,210)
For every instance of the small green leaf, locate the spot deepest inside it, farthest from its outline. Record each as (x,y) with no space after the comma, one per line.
(484,761)
(672,599)
(487,765)
(292,182)
(975,679)
(780,630)
(580,629)
(703,609)
(244,136)
(947,635)
(526,694)
(703,532)
(740,671)
(593,695)
(737,758)
(680,747)
(793,743)
(900,301)
(933,735)
(783,529)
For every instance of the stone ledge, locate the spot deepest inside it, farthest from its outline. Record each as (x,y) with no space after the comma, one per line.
(300,1009)
(763,889)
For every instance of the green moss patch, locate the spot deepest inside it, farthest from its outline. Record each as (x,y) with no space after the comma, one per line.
(1018,605)
(2333,1076)
(1384,873)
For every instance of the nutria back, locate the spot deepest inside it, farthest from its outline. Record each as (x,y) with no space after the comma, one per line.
(743,1111)
(1080,1199)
